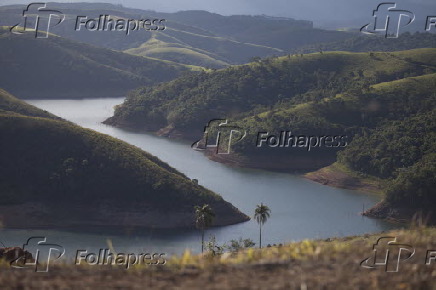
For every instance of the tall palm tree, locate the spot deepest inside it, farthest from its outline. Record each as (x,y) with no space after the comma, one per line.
(261,214)
(204,216)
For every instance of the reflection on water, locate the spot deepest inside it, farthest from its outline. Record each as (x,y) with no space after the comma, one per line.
(300,208)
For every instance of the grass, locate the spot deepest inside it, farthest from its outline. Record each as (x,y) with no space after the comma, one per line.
(176,52)
(418,83)
(309,264)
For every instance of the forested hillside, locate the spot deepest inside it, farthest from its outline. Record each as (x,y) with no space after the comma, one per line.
(377,108)
(262,91)
(366,43)
(50,168)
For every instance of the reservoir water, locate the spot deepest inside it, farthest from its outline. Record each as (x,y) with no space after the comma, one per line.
(300,208)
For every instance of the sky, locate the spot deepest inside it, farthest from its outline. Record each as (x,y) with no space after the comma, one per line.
(322,12)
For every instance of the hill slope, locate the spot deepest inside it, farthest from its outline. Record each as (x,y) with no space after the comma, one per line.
(212,40)
(375,109)
(365,43)
(207,39)
(276,84)
(177,52)
(58,68)
(191,35)
(55,173)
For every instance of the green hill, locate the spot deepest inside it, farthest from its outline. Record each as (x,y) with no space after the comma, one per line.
(59,68)
(190,37)
(267,88)
(375,109)
(365,43)
(402,152)
(11,105)
(176,52)
(211,40)
(55,173)
(277,32)
(208,39)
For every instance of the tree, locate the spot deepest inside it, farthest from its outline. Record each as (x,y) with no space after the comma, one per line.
(261,214)
(236,245)
(212,247)
(204,216)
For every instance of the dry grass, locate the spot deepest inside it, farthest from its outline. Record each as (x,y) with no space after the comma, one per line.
(326,264)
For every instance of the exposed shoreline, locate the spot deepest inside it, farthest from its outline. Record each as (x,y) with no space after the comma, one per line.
(330,173)
(337,175)
(38,215)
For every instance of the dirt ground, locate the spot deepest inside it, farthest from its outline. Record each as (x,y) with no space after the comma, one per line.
(273,276)
(328,264)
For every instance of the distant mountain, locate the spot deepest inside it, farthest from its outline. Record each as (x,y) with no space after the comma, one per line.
(278,32)
(205,39)
(61,68)
(366,43)
(191,37)
(55,173)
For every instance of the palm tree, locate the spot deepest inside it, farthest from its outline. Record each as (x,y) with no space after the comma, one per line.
(261,214)
(204,216)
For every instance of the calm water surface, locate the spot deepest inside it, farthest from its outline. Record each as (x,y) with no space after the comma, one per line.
(300,208)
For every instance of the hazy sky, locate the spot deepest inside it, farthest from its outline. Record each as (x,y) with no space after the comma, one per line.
(319,11)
